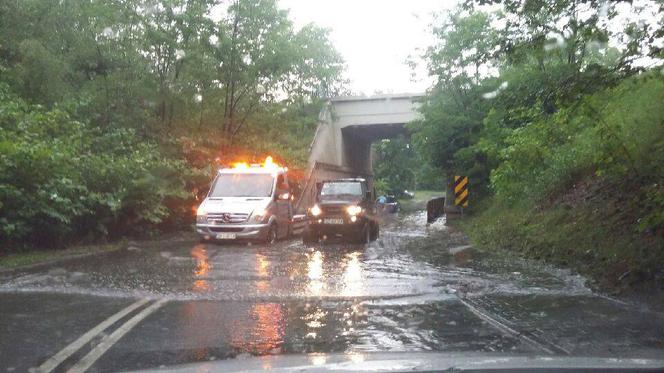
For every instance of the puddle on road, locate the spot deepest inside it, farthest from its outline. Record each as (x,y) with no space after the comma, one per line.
(410,260)
(204,330)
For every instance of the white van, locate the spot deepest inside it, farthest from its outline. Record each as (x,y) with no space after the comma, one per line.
(247,202)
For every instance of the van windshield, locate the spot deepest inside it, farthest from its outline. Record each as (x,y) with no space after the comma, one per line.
(242,185)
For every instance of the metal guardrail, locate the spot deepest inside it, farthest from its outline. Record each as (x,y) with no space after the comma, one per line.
(435,209)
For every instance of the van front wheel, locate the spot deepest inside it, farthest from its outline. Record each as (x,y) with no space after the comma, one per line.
(271,237)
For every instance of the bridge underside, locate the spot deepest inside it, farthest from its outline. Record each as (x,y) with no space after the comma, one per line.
(347,127)
(375,132)
(357,143)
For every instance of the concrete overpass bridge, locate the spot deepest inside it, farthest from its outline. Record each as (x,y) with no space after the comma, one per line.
(347,126)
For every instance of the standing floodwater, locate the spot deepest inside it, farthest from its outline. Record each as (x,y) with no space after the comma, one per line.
(418,287)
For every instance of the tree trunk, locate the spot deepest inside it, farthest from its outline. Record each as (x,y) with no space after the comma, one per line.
(229,109)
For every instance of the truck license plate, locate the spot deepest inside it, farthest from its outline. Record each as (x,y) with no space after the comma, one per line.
(333,221)
(225,236)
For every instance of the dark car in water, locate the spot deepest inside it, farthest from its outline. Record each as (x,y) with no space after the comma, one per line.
(344,207)
(387,204)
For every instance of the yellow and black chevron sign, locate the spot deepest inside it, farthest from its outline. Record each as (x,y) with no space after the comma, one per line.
(461,191)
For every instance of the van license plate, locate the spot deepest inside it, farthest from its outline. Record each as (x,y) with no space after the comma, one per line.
(333,221)
(225,236)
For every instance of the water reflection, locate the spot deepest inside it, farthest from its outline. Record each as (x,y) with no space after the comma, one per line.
(355,357)
(263,332)
(193,316)
(314,321)
(201,286)
(335,274)
(351,317)
(316,285)
(318,359)
(353,279)
(262,265)
(202,269)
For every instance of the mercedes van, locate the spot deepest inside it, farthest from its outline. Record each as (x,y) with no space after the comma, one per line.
(247,202)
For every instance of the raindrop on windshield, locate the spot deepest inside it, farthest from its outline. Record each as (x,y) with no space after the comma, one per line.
(494,94)
(108,32)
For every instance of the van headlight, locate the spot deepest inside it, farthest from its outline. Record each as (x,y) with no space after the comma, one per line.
(354,210)
(259,216)
(201,215)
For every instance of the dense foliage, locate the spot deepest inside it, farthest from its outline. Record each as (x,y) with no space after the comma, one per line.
(60,178)
(554,109)
(398,167)
(114,113)
(531,97)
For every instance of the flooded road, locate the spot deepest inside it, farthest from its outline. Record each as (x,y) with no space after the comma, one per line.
(417,288)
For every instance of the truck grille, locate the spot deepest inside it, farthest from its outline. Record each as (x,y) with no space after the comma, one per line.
(226,218)
(332,210)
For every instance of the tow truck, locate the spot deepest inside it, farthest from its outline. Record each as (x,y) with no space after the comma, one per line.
(248,202)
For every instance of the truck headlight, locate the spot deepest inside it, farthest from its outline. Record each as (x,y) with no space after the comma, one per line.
(353,210)
(315,211)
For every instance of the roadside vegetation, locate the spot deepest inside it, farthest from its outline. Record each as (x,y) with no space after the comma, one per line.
(554,110)
(113,115)
(419,200)
(24,259)
(398,168)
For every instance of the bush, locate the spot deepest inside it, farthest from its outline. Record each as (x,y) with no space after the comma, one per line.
(616,134)
(60,178)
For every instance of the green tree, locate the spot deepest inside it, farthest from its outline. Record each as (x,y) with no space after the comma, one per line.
(129,103)
(500,71)
(395,165)
(454,109)
(264,60)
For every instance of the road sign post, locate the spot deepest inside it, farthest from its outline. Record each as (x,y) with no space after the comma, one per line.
(461,191)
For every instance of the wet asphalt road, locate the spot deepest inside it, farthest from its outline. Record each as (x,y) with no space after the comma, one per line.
(417,288)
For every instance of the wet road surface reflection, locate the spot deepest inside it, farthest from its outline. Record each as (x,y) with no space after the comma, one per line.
(417,288)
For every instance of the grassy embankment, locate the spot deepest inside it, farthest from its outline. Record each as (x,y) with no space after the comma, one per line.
(583,189)
(592,230)
(32,257)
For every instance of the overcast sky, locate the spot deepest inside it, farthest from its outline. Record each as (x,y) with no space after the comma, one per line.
(375,38)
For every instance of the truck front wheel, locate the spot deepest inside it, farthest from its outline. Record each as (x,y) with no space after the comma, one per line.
(364,235)
(375,231)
